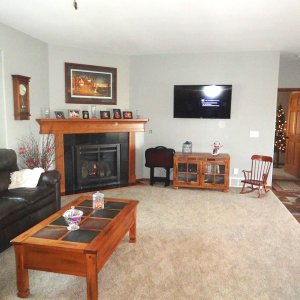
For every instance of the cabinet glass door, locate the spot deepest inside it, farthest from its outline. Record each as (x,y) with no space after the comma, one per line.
(182,172)
(213,173)
(187,172)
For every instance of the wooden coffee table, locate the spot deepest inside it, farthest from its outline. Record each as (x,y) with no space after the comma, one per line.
(50,246)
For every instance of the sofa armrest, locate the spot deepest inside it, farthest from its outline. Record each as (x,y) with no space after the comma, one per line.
(50,177)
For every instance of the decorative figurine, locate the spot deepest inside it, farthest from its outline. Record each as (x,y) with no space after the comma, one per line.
(187,147)
(216,148)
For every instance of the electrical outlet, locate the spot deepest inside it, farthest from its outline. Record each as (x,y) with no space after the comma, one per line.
(235,171)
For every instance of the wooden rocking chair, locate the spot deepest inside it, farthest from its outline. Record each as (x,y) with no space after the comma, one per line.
(257,177)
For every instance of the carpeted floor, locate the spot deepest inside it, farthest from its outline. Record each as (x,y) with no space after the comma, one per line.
(191,244)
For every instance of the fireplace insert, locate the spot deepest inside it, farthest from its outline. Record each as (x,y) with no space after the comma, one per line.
(97,165)
(95,161)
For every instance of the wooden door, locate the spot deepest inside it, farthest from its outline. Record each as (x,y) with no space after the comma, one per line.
(292,157)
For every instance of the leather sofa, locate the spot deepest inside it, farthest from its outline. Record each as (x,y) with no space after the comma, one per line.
(21,208)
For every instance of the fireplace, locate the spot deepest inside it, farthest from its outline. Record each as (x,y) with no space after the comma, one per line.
(61,128)
(95,161)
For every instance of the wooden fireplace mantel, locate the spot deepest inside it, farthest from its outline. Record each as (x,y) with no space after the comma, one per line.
(59,127)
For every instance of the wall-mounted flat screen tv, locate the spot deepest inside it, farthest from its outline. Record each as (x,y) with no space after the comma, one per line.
(202,101)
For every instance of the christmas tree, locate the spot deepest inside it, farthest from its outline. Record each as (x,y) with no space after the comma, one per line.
(280,133)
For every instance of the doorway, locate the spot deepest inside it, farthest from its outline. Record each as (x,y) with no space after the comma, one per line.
(286,186)
(283,100)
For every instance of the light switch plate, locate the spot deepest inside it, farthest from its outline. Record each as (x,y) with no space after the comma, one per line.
(254,133)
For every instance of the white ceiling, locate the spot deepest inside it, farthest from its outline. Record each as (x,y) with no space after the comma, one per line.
(159,26)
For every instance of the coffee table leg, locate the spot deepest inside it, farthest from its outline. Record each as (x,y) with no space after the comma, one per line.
(22,273)
(91,277)
(132,229)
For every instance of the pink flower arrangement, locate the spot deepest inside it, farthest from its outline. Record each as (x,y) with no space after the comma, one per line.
(36,153)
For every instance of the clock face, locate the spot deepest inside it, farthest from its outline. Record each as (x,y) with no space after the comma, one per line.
(22,89)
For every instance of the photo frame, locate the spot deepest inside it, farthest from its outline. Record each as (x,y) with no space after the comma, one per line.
(59,115)
(87,84)
(117,113)
(74,113)
(127,114)
(85,114)
(105,114)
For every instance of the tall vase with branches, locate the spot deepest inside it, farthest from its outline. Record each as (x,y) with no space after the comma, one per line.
(37,152)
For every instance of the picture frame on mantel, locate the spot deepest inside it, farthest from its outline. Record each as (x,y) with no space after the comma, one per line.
(88,84)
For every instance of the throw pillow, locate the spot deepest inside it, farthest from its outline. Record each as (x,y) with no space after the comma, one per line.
(27,178)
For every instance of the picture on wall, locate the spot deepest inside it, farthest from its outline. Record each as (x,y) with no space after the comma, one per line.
(90,84)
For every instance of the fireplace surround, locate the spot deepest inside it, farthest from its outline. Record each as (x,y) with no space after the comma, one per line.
(62,127)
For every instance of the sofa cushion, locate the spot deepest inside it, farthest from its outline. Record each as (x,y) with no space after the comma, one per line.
(26,178)
(4,180)
(11,207)
(17,203)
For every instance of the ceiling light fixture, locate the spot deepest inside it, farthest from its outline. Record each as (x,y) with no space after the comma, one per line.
(75,4)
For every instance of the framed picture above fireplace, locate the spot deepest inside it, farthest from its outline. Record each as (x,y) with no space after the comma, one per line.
(74,113)
(90,84)
(117,113)
(105,114)
(127,114)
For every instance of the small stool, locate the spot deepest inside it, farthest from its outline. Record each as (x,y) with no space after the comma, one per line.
(159,157)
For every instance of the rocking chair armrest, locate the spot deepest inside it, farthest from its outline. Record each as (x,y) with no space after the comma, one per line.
(247,174)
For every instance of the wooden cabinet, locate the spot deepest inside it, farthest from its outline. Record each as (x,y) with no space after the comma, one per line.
(201,170)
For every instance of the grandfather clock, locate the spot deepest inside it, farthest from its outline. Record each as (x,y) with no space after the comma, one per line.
(21,97)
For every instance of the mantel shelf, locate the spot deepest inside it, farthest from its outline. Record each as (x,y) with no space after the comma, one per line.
(69,126)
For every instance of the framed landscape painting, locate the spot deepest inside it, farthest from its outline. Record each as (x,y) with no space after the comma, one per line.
(90,84)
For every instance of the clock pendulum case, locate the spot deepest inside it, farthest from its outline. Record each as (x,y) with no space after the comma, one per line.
(21,97)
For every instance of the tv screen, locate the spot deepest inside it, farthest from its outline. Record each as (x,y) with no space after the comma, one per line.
(202,101)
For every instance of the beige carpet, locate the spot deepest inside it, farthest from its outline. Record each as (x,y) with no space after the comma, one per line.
(191,244)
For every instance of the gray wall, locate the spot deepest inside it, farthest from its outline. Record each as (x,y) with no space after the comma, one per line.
(289,75)
(23,55)
(254,77)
